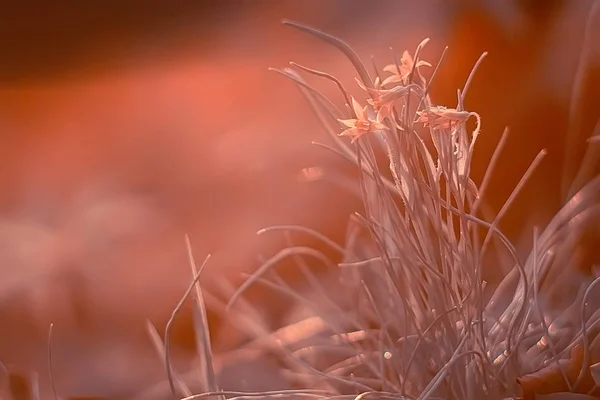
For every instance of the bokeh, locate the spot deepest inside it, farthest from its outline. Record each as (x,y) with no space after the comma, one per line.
(126,126)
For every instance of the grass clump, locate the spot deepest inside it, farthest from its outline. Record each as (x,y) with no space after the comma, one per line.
(411,316)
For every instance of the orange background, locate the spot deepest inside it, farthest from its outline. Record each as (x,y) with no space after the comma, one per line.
(123,128)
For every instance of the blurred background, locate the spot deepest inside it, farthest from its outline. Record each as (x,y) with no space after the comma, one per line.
(124,127)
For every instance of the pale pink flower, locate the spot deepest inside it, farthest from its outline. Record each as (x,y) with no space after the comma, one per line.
(361,125)
(401,71)
(442,117)
(383,100)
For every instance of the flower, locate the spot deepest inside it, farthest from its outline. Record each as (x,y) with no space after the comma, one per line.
(442,117)
(356,127)
(383,99)
(401,72)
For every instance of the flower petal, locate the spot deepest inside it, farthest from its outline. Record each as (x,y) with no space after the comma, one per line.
(423,116)
(360,113)
(350,132)
(350,123)
(392,79)
(375,125)
(407,60)
(391,68)
(383,112)
(377,82)
(454,115)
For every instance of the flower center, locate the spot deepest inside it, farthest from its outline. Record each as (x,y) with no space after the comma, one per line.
(363,125)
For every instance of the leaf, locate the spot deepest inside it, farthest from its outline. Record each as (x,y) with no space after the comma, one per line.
(565,396)
(340,45)
(550,379)
(547,380)
(595,371)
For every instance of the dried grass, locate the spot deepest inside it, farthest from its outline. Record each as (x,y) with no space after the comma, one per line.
(415,318)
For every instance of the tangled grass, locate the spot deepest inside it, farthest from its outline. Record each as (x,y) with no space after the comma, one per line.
(415,319)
